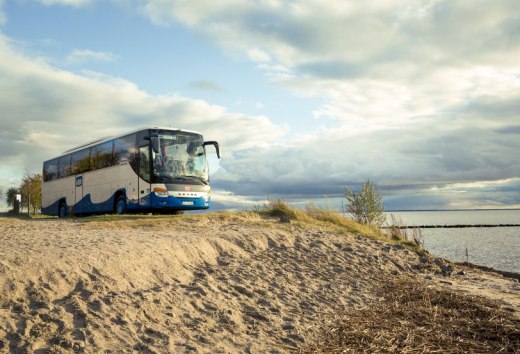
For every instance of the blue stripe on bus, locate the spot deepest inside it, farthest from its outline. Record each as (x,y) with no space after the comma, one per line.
(147,202)
(51,209)
(85,205)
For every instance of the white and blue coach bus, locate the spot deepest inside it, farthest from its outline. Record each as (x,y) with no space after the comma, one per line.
(160,170)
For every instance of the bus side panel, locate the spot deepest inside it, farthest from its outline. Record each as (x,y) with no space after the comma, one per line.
(125,179)
(101,186)
(55,191)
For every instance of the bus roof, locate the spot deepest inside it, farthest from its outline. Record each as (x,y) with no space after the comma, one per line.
(108,138)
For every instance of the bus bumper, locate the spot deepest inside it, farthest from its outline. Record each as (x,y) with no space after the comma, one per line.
(176,203)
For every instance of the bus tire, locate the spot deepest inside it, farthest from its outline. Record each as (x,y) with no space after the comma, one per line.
(62,209)
(120,205)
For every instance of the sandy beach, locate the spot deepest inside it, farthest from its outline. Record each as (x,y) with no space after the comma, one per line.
(203,283)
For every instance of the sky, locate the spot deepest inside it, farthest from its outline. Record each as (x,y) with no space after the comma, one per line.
(305,97)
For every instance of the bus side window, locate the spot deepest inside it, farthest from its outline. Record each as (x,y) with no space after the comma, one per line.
(64,169)
(81,161)
(101,156)
(50,170)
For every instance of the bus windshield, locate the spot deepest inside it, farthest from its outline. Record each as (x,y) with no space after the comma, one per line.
(180,156)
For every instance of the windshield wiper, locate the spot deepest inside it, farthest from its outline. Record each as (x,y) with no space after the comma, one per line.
(203,180)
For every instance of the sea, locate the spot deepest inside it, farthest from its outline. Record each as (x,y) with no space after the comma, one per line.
(497,247)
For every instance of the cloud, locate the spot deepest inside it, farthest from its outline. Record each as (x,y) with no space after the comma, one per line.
(229,201)
(206,85)
(423,91)
(372,63)
(258,55)
(297,33)
(420,96)
(404,163)
(80,56)
(46,110)
(486,194)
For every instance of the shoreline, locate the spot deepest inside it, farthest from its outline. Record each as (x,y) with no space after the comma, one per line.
(505,274)
(449,226)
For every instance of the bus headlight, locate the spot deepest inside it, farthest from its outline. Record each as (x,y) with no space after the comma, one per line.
(161,192)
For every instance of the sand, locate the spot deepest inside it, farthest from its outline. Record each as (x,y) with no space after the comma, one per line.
(209,284)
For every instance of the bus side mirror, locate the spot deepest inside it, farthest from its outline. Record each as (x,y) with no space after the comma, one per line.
(215,144)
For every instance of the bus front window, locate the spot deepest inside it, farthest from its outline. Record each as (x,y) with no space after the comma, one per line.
(180,156)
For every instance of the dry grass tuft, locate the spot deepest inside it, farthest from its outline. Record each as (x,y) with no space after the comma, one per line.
(318,216)
(281,209)
(397,231)
(413,318)
(338,219)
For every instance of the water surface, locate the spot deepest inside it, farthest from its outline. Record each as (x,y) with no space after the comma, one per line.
(495,247)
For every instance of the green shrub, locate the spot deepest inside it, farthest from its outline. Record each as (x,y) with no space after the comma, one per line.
(366,206)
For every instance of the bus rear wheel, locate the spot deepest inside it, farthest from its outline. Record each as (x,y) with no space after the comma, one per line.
(120,205)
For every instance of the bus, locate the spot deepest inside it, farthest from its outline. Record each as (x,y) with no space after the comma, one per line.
(158,170)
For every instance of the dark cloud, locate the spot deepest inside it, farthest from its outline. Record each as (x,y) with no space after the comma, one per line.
(408,165)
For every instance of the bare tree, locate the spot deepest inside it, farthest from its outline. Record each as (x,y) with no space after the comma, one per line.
(366,206)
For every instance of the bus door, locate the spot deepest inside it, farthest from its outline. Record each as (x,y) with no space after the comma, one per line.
(144,175)
(78,195)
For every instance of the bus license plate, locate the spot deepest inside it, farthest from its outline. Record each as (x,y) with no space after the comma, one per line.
(188,203)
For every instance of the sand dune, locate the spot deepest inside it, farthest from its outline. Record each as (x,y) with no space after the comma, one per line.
(214,284)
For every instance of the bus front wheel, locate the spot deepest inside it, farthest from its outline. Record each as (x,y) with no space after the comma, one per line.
(120,206)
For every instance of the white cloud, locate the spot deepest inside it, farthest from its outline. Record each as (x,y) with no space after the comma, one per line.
(80,56)
(45,111)
(403,58)
(423,91)
(258,55)
(227,200)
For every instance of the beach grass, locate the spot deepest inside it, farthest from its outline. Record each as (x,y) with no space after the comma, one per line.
(308,217)
(339,222)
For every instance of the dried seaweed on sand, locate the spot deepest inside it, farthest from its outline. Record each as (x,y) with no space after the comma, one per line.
(411,317)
